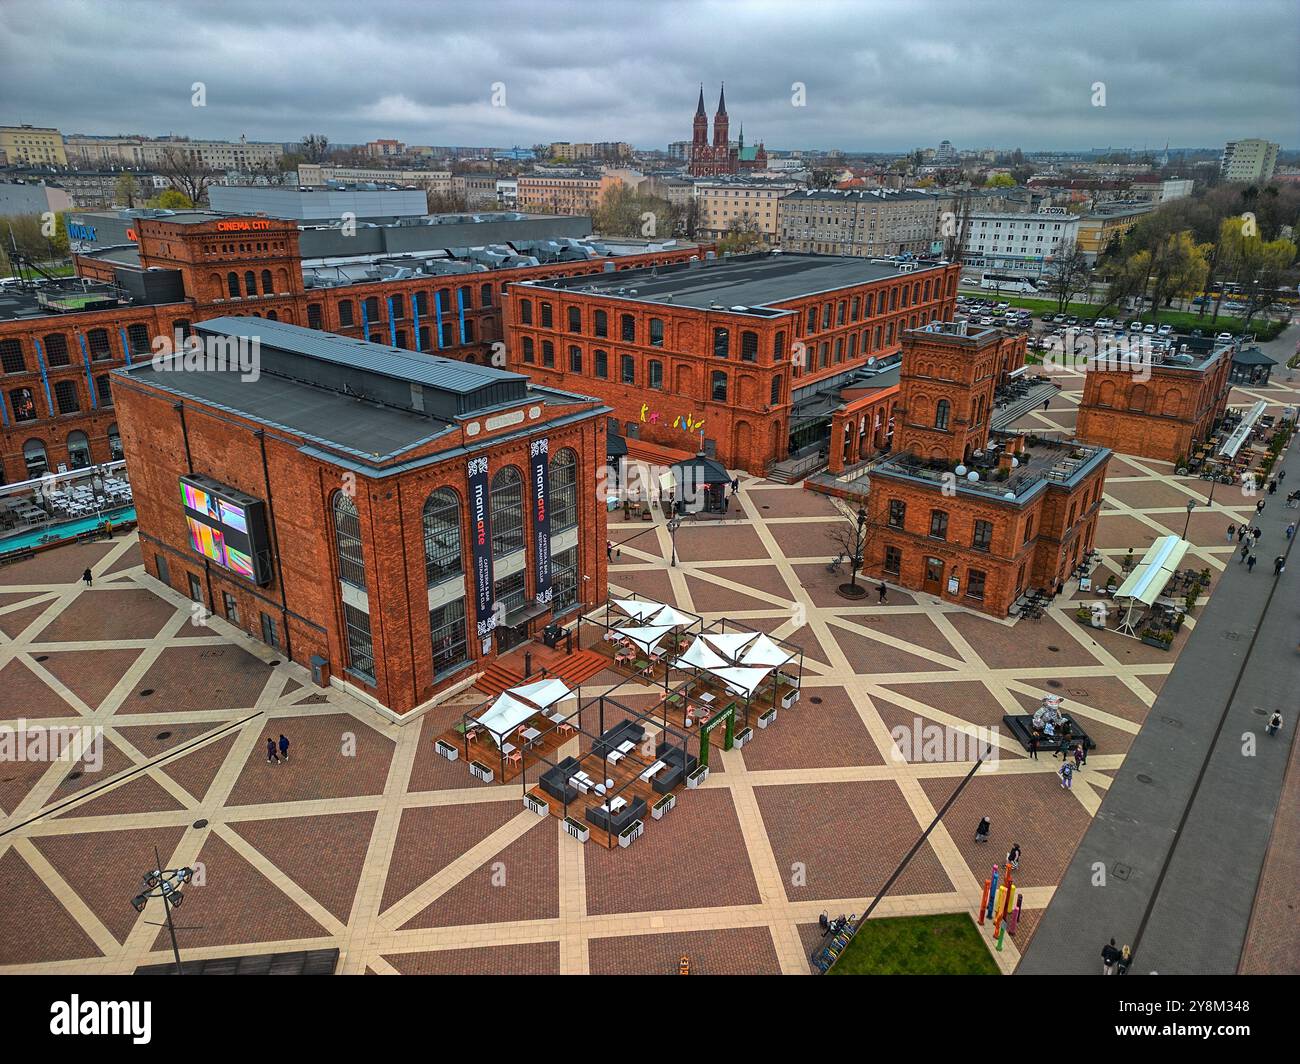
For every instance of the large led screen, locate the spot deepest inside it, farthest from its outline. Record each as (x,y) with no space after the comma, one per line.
(227,527)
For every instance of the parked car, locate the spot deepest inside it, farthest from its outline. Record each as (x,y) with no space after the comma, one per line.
(1223,338)
(1148,329)
(1103,323)
(1135,326)
(986,321)
(1166,330)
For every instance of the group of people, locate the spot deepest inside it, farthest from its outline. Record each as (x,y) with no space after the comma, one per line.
(277,754)
(1249,536)
(1115,961)
(982,831)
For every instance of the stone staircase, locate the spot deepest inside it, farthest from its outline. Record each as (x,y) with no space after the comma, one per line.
(573,669)
(1005,415)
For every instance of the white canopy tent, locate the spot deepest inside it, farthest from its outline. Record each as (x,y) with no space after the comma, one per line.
(700,655)
(674,618)
(745,681)
(542,693)
(639,609)
(645,637)
(1150,577)
(762,651)
(505,714)
(729,643)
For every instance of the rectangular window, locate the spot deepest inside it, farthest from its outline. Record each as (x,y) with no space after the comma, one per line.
(718,390)
(526,345)
(975,584)
(656,373)
(983,537)
(231,607)
(656,333)
(361,650)
(601,323)
(11,356)
(893,561)
(749,346)
(897,513)
(196,589)
(345,312)
(546,316)
(602,365)
(776,390)
(627,369)
(548,354)
(721,343)
(629,329)
(938,524)
(447,635)
(564,580)
(525,312)
(575,320)
(575,359)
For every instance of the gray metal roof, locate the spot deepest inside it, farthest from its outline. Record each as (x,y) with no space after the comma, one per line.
(445,374)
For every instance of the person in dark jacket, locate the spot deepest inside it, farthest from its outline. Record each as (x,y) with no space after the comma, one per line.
(86,577)
(1033,747)
(1013,855)
(982,832)
(1109,958)
(1125,959)
(284,748)
(1250,564)
(271,755)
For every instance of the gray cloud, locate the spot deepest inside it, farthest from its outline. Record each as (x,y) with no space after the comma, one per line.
(880,74)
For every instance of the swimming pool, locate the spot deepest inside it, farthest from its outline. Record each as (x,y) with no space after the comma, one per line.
(59,533)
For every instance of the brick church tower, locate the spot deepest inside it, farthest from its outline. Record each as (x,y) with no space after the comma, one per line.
(718,158)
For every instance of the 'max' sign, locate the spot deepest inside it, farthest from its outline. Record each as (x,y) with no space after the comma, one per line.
(77,231)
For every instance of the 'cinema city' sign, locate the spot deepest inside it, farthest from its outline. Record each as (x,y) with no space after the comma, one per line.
(243,225)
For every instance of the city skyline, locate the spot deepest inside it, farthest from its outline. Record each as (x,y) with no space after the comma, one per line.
(909,75)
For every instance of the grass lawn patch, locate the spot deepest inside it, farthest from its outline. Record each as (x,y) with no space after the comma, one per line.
(947,944)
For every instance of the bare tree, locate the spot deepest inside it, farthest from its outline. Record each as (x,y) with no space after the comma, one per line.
(315,147)
(187,173)
(1068,275)
(852,535)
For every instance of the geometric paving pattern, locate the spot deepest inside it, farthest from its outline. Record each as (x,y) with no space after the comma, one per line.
(368,842)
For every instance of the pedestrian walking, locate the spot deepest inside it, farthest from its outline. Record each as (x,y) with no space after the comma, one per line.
(284,748)
(1125,959)
(1279,565)
(1281,476)
(1259,506)
(1067,776)
(609,550)
(1109,957)
(1250,564)
(1063,748)
(883,592)
(1232,533)
(1257,534)
(1013,855)
(982,831)
(1078,757)
(1293,500)
(271,755)
(735,485)
(1081,751)
(1290,530)
(86,577)
(1033,747)
(1274,723)
(1245,553)
(1047,402)
(1272,486)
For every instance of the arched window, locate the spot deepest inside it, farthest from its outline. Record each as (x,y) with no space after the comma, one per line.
(942,409)
(347,542)
(564,491)
(507,510)
(56,350)
(232,284)
(65,397)
(250,283)
(138,337)
(268,286)
(78,450)
(34,457)
(442,540)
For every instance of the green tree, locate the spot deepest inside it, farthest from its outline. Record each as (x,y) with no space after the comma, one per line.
(742,236)
(1000,181)
(171,199)
(1178,269)
(624,212)
(126,190)
(1255,265)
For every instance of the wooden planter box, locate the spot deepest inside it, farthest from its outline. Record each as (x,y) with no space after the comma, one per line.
(1155,643)
(698,776)
(446,750)
(742,737)
(663,806)
(767,718)
(631,833)
(535,805)
(480,771)
(577,829)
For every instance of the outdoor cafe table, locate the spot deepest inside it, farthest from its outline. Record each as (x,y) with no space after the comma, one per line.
(531,734)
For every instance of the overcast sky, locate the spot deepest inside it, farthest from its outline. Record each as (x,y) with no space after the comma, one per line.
(879,74)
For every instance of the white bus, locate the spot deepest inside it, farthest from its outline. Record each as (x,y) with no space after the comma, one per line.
(1018,284)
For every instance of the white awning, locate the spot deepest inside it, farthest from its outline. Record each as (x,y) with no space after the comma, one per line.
(638,608)
(762,651)
(729,643)
(505,714)
(672,617)
(1153,572)
(702,656)
(646,637)
(743,680)
(541,693)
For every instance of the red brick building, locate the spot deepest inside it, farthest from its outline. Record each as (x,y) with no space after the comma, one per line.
(963,513)
(59,344)
(723,354)
(395,543)
(1158,408)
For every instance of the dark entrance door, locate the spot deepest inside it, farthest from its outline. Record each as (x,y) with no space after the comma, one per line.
(934,575)
(509,638)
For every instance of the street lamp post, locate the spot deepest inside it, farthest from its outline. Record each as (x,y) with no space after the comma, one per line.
(1191,505)
(858,538)
(674,523)
(166,884)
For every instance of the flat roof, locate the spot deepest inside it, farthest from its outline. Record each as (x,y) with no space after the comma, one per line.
(743,282)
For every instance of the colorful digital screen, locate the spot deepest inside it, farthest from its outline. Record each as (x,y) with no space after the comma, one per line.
(239,562)
(200,500)
(207,541)
(232,515)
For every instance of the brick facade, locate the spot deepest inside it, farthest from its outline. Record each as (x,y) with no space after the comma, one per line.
(304,598)
(1162,417)
(658,366)
(207,254)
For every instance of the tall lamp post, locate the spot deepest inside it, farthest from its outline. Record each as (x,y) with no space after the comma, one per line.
(1191,505)
(859,537)
(674,523)
(165,883)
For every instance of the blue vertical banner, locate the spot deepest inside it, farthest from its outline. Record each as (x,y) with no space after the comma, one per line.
(392,324)
(415,321)
(481,545)
(437,315)
(45,377)
(460,302)
(541,495)
(365,322)
(90,381)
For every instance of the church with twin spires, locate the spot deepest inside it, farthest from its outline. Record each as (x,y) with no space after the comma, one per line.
(719,158)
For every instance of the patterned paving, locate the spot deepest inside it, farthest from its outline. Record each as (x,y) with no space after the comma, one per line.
(367,841)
